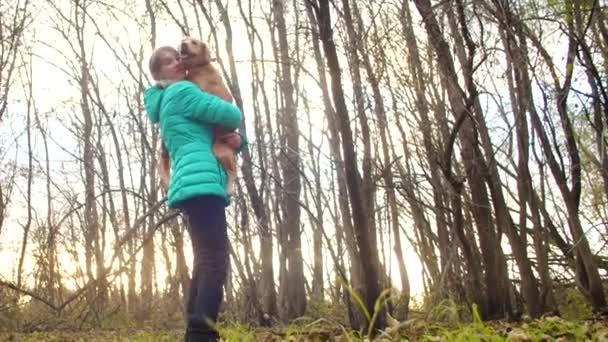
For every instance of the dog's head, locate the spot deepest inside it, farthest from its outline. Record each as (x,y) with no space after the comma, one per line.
(193,53)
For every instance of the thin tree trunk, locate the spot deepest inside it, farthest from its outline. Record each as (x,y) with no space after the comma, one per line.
(367,186)
(517,63)
(495,271)
(54,278)
(346,228)
(503,219)
(368,258)
(295,297)
(318,269)
(2,208)
(387,173)
(30,177)
(93,246)
(415,64)
(269,303)
(587,274)
(181,268)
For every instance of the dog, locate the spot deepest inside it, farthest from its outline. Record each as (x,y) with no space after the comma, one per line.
(196,60)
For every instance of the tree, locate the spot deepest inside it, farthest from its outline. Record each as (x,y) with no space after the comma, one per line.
(14,19)
(369,260)
(294,297)
(498,302)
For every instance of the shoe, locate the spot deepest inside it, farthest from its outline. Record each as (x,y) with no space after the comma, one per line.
(201,336)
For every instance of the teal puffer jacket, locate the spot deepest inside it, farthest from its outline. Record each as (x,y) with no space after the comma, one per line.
(186,125)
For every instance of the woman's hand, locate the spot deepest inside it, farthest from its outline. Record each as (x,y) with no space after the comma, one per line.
(232,139)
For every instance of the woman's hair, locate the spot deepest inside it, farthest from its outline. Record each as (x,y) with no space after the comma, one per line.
(158,58)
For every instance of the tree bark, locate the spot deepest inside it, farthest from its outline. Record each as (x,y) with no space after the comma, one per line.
(30,177)
(422,108)
(498,302)
(295,297)
(587,273)
(369,260)
(345,227)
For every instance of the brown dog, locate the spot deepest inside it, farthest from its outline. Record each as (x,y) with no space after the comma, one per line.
(196,59)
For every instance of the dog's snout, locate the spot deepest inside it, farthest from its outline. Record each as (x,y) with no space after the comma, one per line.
(183,47)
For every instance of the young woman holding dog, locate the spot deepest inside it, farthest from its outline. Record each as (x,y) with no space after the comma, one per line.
(197,184)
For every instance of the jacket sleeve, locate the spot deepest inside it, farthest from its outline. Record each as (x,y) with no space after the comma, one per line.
(208,108)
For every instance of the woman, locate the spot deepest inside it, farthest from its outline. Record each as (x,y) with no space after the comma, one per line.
(197,183)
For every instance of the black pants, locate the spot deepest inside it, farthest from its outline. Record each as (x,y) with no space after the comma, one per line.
(208,232)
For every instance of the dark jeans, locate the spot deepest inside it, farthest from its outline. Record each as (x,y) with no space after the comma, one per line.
(208,232)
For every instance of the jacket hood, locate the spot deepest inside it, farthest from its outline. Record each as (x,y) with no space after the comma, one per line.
(153,97)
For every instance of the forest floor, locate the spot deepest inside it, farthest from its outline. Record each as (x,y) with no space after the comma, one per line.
(547,329)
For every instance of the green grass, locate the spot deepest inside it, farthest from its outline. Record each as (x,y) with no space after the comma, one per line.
(475,331)
(95,336)
(548,329)
(446,322)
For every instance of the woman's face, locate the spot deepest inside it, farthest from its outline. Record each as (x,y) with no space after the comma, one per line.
(171,67)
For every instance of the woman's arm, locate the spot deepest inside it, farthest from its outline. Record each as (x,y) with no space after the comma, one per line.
(235,140)
(205,107)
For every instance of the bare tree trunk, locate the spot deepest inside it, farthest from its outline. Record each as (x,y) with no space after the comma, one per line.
(503,219)
(181,268)
(367,185)
(2,207)
(318,286)
(599,91)
(517,65)
(422,108)
(14,25)
(267,279)
(30,176)
(92,229)
(170,280)
(295,297)
(148,265)
(387,172)
(368,258)
(366,182)
(498,303)
(11,35)
(107,190)
(53,285)
(149,169)
(345,229)
(587,273)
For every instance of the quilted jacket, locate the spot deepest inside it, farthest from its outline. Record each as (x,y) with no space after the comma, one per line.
(187,115)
